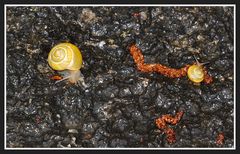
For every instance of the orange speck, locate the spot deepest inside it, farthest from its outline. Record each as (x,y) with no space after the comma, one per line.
(56,77)
(136,14)
(220,139)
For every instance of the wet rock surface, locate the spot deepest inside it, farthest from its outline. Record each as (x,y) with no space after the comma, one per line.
(120,105)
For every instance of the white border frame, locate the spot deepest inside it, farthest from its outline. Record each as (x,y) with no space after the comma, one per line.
(143,5)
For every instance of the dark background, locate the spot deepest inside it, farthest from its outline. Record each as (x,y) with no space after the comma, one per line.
(120,105)
(160,75)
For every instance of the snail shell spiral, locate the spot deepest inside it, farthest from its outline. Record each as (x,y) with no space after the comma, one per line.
(65,56)
(195,73)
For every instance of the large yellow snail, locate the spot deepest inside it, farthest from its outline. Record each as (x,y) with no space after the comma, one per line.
(196,72)
(68,58)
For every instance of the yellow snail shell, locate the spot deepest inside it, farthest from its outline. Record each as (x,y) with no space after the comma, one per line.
(195,73)
(66,56)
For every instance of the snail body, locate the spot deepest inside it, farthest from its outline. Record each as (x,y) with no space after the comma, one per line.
(68,58)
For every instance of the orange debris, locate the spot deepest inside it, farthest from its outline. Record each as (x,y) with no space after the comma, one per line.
(159,68)
(56,77)
(220,139)
(162,124)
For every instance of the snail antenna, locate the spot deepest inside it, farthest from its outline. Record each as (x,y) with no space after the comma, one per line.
(67,77)
(198,63)
(196,60)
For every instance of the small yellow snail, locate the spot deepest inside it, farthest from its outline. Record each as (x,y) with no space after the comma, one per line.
(68,58)
(196,72)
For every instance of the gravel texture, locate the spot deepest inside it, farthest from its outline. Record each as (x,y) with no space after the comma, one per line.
(120,104)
